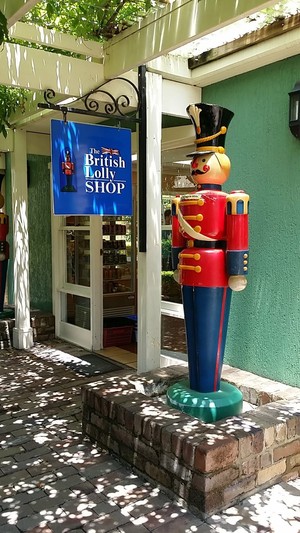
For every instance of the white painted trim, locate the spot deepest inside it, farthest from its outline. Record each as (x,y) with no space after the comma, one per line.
(172,309)
(96,269)
(252,58)
(177,96)
(54,39)
(76,335)
(149,262)
(39,70)
(22,332)
(77,290)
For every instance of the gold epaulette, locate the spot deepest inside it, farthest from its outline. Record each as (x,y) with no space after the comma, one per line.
(175,202)
(237,203)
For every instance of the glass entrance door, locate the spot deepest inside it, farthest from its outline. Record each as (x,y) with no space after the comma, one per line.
(76,268)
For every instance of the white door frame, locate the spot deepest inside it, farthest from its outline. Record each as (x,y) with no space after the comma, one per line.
(88,339)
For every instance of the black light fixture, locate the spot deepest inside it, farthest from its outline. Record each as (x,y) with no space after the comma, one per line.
(294,118)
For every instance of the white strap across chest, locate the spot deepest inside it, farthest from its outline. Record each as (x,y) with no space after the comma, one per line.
(187,228)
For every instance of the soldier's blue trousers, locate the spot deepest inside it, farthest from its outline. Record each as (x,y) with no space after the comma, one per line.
(206,311)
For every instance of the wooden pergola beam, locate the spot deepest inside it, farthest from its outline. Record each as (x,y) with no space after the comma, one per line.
(54,39)
(169,28)
(39,70)
(13,10)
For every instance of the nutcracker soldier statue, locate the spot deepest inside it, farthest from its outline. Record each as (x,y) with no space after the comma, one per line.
(210,259)
(68,167)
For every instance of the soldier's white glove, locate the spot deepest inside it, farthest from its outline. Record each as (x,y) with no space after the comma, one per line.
(237,283)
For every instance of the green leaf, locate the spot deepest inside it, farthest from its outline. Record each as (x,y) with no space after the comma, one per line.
(50,9)
(3,28)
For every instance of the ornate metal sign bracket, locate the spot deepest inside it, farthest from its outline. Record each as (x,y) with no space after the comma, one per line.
(120,108)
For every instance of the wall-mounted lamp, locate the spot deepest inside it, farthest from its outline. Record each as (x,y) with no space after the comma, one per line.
(294,117)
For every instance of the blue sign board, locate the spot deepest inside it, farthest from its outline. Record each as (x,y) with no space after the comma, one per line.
(91,169)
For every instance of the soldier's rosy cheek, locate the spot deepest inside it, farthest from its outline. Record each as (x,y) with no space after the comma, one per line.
(206,168)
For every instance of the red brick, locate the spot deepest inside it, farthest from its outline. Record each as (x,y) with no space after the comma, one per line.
(188,429)
(171,428)
(215,454)
(92,432)
(249,430)
(263,398)
(292,448)
(292,427)
(266,459)
(100,423)
(147,451)
(160,475)
(86,413)
(122,435)
(120,406)
(180,488)
(206,502)
(111,397)
(192,442)
(280,432)
(250,466)
(118,400)
(171,464)
(107,442)
(152,426)
(131,457)
(142,408)
(206,483)
(241,486)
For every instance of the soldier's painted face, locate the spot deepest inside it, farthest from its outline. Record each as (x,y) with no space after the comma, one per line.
(210,168)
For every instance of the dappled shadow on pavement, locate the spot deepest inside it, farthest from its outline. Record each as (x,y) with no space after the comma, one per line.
(51,479)
(54,481)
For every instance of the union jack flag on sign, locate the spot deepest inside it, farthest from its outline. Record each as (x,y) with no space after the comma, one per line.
(110,151)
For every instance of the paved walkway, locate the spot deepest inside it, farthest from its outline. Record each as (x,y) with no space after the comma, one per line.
(53,481)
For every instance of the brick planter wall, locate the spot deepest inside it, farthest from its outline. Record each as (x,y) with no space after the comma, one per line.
(208,466)
(43,326)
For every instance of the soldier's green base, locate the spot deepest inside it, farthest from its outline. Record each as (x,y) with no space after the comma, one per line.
(207,406)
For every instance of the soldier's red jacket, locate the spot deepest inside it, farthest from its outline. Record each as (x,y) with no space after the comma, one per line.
(210,236)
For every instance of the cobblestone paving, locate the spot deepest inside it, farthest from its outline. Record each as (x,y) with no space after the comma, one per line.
(53,481)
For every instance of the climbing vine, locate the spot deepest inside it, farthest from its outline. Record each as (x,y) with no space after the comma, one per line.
(3,28)
(11,100)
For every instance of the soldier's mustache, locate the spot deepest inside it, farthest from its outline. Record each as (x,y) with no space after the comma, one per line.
(197,172)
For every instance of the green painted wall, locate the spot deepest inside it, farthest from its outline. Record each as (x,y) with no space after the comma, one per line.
(264,328)
(39,227)
(8,209)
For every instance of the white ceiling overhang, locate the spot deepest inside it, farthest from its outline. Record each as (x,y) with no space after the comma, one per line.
(181,22)
(146,43)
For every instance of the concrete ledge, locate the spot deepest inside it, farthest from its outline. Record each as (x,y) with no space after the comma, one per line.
(207,466)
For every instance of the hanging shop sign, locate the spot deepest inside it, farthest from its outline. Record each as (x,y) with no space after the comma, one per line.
(91,169)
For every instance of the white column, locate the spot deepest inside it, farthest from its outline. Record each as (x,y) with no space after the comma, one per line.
(149,262)
(22,332)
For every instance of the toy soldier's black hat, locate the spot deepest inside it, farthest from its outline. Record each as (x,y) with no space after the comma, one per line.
(211,123)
